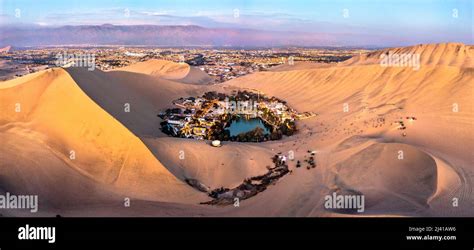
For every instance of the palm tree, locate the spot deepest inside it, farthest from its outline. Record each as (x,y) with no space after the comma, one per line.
(258,132)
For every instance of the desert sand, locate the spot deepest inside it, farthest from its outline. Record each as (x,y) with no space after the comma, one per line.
(122,154)
(180,72)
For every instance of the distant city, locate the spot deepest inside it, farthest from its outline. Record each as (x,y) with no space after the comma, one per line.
(221,64)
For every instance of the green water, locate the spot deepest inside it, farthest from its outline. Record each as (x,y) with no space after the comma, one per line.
(240,126)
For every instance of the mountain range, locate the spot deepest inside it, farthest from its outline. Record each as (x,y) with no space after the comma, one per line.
(154,35)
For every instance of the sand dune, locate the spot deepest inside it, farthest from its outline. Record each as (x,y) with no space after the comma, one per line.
(443,54)
(123,153)
(145,95)
(180,72)
(386,179)
(63,118)
(216,167)
(304,65)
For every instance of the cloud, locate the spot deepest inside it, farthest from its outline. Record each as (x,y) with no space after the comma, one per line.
(156,13)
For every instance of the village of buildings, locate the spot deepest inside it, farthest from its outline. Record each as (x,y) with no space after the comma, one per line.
(209,116)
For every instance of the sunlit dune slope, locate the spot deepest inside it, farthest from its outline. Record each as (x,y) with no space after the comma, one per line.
(442,54)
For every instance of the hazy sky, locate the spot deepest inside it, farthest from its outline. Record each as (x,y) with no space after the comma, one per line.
(408,21)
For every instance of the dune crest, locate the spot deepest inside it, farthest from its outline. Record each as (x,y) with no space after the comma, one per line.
(441,54)
(180,72)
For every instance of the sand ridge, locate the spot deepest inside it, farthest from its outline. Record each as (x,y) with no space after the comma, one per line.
(180,72)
